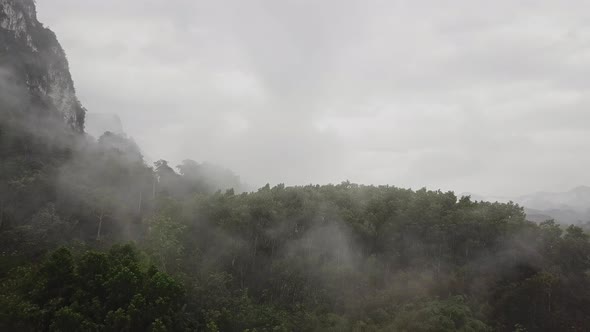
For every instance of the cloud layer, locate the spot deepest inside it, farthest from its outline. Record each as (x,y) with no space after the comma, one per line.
(488,97)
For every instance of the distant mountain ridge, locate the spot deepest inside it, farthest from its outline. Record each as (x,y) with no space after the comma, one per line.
(577,199)
(99,123)
(570,207)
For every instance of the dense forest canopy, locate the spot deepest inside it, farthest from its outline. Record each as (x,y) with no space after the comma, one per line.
(343,257)
(92,238)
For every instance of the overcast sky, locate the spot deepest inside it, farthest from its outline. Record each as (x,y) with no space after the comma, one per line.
(489,97)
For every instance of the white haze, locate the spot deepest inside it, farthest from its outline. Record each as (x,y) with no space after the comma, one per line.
(479,96)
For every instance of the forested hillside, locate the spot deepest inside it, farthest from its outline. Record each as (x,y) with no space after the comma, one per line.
(92,238)
(315,258)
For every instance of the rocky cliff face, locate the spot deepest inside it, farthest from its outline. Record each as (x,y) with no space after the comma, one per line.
(33,58)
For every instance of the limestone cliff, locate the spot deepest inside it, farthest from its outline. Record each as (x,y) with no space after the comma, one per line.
(31,57)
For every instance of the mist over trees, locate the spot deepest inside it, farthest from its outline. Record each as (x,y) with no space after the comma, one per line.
(343,257)
(93,238)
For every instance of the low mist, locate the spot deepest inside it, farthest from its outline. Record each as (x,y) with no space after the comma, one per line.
(293,166)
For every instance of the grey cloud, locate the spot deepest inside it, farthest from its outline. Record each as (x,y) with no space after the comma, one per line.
(475,96)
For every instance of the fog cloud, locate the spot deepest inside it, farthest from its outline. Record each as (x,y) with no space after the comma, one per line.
(486,97)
